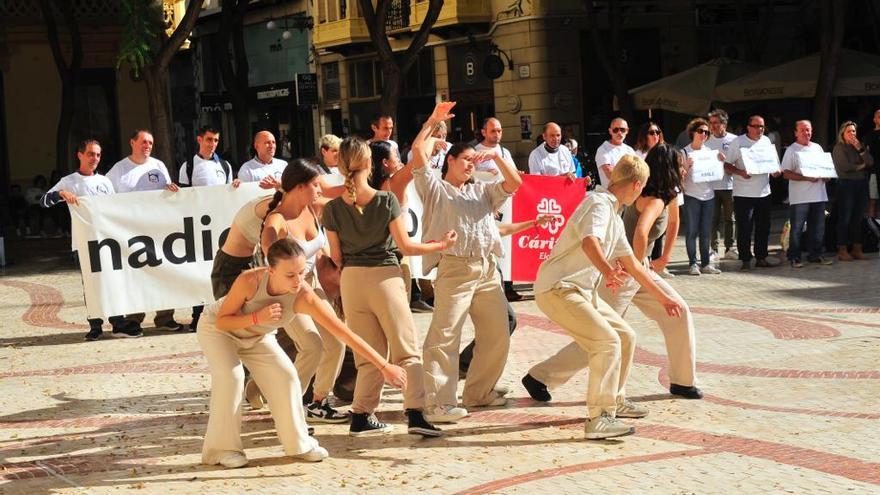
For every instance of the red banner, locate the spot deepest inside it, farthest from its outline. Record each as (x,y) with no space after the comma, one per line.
(541,195)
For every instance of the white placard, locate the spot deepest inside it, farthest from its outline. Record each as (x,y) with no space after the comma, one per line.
(816,165)
(706,166)
(760,159)
(151,250)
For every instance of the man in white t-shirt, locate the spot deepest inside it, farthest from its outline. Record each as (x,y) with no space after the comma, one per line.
(383,127)
(264,167)
(806,197)
(612,149)
(87,182)
(722,218)
(751,196)
(206,167)
(492,133)
(141,172)
(550,157)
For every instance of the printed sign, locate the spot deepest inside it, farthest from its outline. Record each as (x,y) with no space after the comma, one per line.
(816,165)
(760,159)
(706,166)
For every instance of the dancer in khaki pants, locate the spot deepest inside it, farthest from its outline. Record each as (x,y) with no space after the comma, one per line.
(468,282)
(652,214)
(365,228)
(590,252)
(241,328)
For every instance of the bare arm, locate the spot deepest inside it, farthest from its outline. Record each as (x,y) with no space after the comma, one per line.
(651,210)
(614,276)
(512,179)
(506,229)
(335,247)
(423,145)
(397,227)
(230,317)
(274,228)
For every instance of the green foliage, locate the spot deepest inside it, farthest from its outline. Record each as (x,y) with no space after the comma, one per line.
(142,30)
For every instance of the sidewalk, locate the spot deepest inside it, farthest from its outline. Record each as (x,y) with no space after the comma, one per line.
(788,359)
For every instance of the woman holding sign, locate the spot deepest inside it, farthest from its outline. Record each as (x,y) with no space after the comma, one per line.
(851,161)
(468,282)
(699,200)
(240,328)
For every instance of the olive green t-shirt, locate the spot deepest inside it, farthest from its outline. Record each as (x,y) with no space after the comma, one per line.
(365,238)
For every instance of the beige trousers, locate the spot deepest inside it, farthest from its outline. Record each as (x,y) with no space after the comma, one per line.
(275,375)
(678,332)
(319,353)
(376,309)
(602,341)
(466,286)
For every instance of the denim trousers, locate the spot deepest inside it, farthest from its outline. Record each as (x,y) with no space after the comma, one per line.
(852,206)
(698,223)
(813,214)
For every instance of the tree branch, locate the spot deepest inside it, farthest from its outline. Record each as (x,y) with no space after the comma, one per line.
(421,37)
(173,43)
(54,41)
(375,19)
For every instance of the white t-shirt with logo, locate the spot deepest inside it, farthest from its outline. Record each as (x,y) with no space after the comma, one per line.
(255,170)
(81,185)
(609,154)
(543,162)
(758,186)
(489,165)
(205,173)
(128,176)
(722,144)
(698,190)
(803,191)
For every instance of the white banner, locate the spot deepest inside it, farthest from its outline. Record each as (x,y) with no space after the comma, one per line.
(761,159)
(707,167)
(816,165)
(144,251)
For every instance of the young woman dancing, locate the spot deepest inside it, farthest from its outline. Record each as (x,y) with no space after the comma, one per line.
(367,234)
(240,328)
(467,279)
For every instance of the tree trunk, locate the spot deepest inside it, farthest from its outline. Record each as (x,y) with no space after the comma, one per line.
(609,57)
(157,79)
(392,86)
(63,157)
(230,46)
(833,17)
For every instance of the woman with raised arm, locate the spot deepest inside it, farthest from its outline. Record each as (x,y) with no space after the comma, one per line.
(240,328)
(467,279)
(367,235)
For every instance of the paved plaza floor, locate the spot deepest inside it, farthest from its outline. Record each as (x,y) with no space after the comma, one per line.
(789,360)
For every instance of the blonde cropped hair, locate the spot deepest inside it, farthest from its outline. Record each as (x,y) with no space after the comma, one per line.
(354,156)
(629,168)
(330,142)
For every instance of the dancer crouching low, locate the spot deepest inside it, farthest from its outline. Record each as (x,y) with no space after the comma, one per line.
(240,328)
(590,252)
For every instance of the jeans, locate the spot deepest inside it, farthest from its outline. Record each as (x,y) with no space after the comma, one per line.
(752,213)
(722,220)
(852,205)
(698,215)
(814,216)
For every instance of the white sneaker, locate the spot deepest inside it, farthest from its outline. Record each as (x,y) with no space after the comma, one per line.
(731,254)
(629,409)
(665,273)
(445,414)
(317,454)
(233,460)
(606,426)
(501,390)
(713,255)
(710,269)
(695,270)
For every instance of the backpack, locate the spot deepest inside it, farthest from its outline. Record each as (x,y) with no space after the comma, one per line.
(226,168)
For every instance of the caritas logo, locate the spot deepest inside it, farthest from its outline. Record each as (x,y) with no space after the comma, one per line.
(540,195)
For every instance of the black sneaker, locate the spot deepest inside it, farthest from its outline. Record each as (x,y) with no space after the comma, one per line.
(94,334)
(129,329)
(418,425)
(170,325)
(322,412)
(419,306)
(311,431)
(536,389)
(193,325)
(686,392)
(364,424)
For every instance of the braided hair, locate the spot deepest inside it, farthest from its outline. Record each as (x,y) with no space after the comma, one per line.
(354,156)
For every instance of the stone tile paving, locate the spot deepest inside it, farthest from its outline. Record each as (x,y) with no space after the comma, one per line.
(788,359)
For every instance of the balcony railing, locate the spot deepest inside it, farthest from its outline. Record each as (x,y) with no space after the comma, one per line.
(398,15)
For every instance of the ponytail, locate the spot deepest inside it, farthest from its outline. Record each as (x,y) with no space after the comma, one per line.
(354,156)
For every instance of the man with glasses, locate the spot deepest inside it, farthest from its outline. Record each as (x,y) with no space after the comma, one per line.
(722,220)
(751,196)
(612,150)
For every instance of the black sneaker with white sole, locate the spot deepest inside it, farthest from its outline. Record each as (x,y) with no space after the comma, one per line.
(418,425)
(322,412)
(128,330)
(94,334)
(364,424)
(169,326)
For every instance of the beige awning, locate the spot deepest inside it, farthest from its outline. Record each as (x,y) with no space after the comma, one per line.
(689,92)
(858,74)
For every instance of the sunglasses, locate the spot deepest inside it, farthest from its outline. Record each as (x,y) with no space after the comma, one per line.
(704,132)
(653,132)
(619,130)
